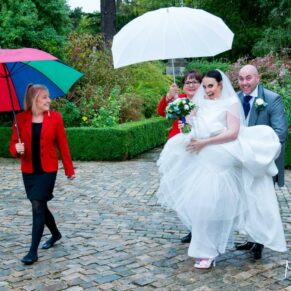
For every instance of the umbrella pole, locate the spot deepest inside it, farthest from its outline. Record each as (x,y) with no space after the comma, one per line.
(173,71)
(12,104)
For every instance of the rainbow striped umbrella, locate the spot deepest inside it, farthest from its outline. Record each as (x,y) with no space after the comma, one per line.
(19,67)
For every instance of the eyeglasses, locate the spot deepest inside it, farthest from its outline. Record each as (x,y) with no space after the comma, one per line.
(188,83)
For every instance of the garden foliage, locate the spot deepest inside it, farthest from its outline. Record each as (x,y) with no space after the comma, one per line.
(34,23)
(106,96)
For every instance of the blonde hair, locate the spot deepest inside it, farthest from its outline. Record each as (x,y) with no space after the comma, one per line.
(31,95)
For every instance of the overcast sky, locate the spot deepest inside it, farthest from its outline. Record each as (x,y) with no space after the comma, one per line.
(86,5)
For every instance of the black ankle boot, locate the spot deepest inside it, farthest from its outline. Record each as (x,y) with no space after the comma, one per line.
(29,259)
(257,251)
(246,246)
(187,238)
(50,243)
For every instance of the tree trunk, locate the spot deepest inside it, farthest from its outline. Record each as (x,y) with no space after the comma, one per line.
(108,15)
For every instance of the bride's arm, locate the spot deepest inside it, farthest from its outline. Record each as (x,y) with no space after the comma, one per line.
(230,134)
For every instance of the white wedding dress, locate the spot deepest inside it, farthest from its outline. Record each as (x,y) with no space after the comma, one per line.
(224,187)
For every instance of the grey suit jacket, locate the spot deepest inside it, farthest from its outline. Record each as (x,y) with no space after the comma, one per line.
(274,116)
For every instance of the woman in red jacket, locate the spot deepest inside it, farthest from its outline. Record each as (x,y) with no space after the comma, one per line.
(42,133)
(191,83)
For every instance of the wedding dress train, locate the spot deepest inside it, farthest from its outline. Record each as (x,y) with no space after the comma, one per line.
(224,187)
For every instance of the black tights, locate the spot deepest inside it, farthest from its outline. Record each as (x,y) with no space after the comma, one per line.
(41,216)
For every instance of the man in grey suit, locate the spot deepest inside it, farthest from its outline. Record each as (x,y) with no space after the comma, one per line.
(262,107)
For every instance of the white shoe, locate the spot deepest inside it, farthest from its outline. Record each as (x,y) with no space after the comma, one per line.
(204,263)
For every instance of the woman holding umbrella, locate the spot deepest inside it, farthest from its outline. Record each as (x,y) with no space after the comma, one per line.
(42,133)
(191,83)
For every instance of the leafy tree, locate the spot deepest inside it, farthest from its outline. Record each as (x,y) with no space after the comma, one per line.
(18,24)
(259,26)
(76,15)
(276,35)
(85,22)
(34,23)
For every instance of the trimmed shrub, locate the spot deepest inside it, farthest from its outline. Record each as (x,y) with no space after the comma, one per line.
(110,143)
(119,142)
(5,135)
(116,143)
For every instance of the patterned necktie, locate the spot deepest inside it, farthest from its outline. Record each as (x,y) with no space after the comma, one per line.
(246,104)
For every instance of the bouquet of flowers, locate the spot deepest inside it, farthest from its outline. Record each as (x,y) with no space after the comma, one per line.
(179,108)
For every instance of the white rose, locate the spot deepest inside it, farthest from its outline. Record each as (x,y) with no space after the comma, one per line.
(260,101)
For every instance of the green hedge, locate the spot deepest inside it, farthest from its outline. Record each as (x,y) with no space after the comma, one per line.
(112,143)
(5,135)
(116,143)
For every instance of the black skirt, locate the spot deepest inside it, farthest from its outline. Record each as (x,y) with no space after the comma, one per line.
(39,186)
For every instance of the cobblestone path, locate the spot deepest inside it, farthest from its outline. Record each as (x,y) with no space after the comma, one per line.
(116,237)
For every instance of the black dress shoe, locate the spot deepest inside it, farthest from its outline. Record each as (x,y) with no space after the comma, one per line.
(257,251)
(29,259)
(187,238)
(247,246)
(255,248)
(50,243)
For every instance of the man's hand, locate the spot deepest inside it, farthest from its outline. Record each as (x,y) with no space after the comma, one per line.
(196,145)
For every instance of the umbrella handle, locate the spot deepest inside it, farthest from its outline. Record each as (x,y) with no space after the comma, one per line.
(173,71)
(17,128)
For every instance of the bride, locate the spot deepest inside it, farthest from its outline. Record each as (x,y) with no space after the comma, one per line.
(218,178)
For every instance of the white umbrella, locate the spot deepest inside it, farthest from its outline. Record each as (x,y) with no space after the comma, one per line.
(170,33)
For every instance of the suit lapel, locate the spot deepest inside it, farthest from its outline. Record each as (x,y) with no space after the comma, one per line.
(240,96)
(254,114)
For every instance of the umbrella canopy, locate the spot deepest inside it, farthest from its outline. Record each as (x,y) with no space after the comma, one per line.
(170,33)
(19,67)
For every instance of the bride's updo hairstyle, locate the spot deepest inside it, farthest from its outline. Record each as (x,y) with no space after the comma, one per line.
(215,75)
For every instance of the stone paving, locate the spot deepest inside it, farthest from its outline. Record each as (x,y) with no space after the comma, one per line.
(116,237)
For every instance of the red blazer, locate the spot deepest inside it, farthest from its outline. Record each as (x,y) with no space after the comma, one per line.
(52,137)
(161,110)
